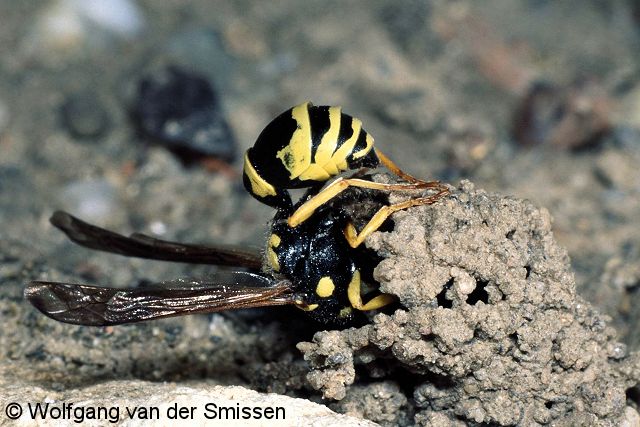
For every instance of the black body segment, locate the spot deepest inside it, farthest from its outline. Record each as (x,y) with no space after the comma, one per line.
(273,138)
(320,123)
(320,264)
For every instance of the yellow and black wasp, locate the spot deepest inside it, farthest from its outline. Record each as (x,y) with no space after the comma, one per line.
(314,254)
(306,146)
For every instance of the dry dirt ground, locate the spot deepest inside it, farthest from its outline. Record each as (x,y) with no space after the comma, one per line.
(518,293)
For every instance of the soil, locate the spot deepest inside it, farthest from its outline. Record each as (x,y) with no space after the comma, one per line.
(517,293)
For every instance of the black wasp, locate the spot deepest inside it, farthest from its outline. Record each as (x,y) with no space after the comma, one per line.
(314,257)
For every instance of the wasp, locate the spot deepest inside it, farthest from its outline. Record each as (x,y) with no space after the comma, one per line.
(314,257)
(306,146)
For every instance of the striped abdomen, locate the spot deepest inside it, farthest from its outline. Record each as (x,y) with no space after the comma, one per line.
(309,143)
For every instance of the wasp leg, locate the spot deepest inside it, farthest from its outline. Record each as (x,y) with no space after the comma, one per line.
(355,239)
(339,185)
(355,296)
(389,164)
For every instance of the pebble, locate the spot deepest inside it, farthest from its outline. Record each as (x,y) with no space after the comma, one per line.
(122,17)
(617,351)
(84,116)
(94,200)
(181,109)
(571,117)
(64,26)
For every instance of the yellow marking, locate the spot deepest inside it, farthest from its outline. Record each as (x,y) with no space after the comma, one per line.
(302,306)
(325,287)
(339,158)
(322,167)
(345,312)
(366,149)
(272,257)
(259,186)
(355,298)
(330,138)
(274,240)
(314,173)
(296,155)
(331,168)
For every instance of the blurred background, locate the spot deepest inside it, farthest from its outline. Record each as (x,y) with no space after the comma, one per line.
(134,114)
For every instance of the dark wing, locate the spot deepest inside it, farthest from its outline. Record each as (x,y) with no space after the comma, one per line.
(142,246)
(99,306)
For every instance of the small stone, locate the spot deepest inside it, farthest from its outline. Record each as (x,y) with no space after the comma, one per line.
(64,27)
(93,201)
(571,117)
(617,350)
(122,17)
(84,116)
(180,109)
(463,283)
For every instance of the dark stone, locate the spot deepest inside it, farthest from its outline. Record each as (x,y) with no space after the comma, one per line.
(572,117)
(180,109)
